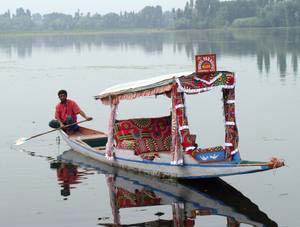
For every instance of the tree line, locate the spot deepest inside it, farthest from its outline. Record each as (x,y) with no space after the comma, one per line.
(201,14)
(197,14)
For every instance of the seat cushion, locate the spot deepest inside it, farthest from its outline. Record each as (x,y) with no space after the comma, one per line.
(143,134)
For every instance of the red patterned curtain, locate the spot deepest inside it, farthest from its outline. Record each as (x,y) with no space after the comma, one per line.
(231,131)
(180,126)
(200,83)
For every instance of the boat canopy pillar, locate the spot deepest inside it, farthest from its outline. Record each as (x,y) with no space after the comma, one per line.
(177,154)
(231,130)
(110,137)
(180,127)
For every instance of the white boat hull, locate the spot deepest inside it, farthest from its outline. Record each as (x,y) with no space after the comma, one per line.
(161,166)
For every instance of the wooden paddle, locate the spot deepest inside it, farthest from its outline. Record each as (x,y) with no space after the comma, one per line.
(24,139)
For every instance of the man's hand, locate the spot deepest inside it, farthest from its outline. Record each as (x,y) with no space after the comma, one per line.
(89,118)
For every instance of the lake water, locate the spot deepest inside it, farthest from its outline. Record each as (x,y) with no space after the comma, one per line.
(34,68)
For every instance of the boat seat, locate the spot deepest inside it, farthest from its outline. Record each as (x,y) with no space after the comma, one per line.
(100,148)
(95,141)
(86,133)
(211,154)
(143,135)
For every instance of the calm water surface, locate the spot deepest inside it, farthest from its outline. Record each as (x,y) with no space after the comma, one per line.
(33,69)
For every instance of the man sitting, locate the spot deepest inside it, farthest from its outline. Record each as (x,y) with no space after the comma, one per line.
(66,112)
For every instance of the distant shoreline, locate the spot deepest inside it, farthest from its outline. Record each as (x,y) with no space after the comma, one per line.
(84,32)
(196,14)
(130,31)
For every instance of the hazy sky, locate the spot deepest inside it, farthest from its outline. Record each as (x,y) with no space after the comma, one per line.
(100,6)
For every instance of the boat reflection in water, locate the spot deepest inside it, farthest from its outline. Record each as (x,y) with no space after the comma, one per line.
(140,200)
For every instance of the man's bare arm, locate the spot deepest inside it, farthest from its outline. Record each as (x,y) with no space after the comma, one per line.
(84,115)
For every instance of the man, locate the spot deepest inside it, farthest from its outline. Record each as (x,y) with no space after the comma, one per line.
(66,112)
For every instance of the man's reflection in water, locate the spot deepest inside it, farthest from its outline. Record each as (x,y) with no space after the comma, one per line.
(68,175)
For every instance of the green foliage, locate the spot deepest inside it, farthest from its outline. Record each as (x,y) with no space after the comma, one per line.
(247,22)
(239,13)
(57,22)
(197,14)
(150,17)
(182,23)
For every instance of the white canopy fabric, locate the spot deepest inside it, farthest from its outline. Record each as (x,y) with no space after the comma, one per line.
(140,85)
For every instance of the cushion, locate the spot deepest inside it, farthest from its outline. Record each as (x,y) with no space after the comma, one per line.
(143,134)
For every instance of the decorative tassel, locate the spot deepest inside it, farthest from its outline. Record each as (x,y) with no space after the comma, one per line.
(276,163)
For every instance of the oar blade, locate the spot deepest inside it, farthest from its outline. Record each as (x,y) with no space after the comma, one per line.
(20,141)
(23,139)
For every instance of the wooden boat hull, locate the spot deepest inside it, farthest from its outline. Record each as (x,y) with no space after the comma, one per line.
(161,166)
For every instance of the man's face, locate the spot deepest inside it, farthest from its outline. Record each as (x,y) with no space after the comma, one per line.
(62,98)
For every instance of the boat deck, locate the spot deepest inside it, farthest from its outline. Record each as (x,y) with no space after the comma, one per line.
(95,139)
(86,133)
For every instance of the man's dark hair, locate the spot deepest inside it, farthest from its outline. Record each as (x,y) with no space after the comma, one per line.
(62,92)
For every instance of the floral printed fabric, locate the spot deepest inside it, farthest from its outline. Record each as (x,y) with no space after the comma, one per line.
(143,134)
(231,130)
(187,140)
(201,83)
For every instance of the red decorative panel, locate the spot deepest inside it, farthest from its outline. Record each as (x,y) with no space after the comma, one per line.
(144,134)
(205,63)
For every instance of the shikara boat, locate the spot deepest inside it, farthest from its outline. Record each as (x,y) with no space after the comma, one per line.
(139,200)
(164,146)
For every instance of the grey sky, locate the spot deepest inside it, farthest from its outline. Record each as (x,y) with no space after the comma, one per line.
(100,6)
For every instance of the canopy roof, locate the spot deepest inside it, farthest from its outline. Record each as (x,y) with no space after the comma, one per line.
(161,84)
(140,85)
